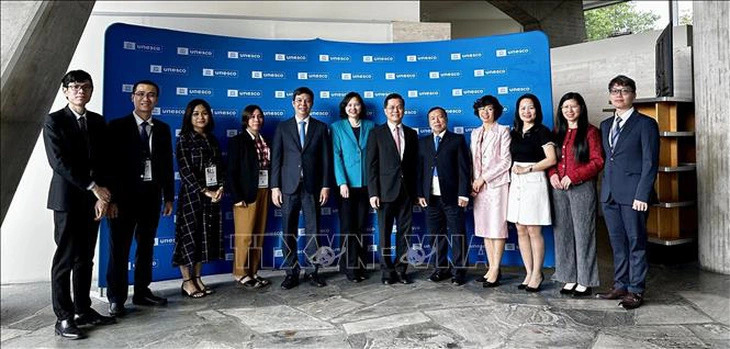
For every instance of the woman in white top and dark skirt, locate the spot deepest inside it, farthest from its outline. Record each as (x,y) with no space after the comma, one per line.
(533,152)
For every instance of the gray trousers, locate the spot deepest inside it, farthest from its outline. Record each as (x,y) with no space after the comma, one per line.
(575,234)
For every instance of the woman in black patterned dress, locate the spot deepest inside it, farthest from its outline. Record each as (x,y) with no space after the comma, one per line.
(198,236)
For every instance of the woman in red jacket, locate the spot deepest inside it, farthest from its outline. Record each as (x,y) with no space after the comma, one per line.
(580,159)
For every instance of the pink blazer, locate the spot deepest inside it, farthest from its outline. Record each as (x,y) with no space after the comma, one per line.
(495,155)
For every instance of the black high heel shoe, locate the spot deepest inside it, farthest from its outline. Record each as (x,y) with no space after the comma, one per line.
(568,291)
(197,294)
(496,282)
(538,288)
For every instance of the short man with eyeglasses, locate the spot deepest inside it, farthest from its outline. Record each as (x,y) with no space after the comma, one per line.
(75,142)
(631,148)
(392,162)
(143,178)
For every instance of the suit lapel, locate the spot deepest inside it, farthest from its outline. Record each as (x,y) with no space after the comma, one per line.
(626,129)
(294,132)
(309,134)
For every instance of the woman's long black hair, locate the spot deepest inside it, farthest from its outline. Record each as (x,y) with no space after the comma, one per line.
(518,123)
(580,143)
(187,124)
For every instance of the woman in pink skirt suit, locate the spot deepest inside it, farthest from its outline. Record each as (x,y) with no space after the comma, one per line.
(490,187)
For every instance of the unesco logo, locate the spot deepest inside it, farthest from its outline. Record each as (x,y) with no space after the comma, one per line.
(131,45)
(377,59)
(329,58)
(312,76)
(244,93)
(501,53)
(225,113)
(226,73)
(156,111)
(275,114)
(257,74)
(458,92)
(416,93)
(374,94)
(127,88)
(324,94)
(279,94)
(454,111)
(478,73)
(159,69)
(356,76)
(192,91)
(457,56)
(185,51)
(281,57)
(502,90)
(231,133)
(511,52)
(251,56)
(394,76)
(415,58)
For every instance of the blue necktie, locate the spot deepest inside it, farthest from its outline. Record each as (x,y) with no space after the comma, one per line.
(145,139)
(301,132)
(615,132)
(436,141)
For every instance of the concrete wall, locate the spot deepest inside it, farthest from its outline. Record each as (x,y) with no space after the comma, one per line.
(27,232)
(469,19)
(588,67)
(712,111)
(561,20)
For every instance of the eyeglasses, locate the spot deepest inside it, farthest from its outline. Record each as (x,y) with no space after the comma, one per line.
(142,94)
(77,88)
(399,108)
(483,108)
(623,91)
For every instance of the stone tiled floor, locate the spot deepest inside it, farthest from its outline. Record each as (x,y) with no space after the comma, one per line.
(686,308)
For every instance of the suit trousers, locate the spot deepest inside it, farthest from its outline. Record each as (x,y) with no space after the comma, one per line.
(354,212)
(627,232)
(136,220)
(250,225)
(400,211)
(446,228)
(575,234)
(75,235)
(308,203)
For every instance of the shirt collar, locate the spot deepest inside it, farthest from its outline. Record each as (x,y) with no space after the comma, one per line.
(392,126)
(625,116)
(440,134)
(77,115)
(306,120)
(251,134)
(139,120)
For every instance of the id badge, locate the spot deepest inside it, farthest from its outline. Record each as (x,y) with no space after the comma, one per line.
(211,178)
(263,178)
(147,176)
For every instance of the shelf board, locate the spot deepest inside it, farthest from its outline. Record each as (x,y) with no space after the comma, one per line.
(681,168)
(674,204)
(663,99)
(674,242)
(677,134)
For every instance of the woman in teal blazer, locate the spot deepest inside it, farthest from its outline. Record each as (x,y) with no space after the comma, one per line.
(349,140)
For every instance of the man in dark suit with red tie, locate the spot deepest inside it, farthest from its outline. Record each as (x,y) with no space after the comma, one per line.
(631,146)
(392,158)
(300,180)
(75,142)
(143,178)
(443,189)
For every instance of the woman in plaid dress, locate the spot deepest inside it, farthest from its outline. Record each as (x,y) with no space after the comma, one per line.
(198,236)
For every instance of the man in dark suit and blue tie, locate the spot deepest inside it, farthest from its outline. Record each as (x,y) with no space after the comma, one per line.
(392,158)
(300,180)
(75,141)
(143,178)
(631,146)
(443,189)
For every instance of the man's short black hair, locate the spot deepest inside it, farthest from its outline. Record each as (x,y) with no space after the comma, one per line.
(622,80)
(393,96)
(302,91)
(146,82)
(76,76)
(446,115)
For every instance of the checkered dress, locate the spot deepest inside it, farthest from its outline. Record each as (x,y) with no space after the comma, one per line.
(198,235)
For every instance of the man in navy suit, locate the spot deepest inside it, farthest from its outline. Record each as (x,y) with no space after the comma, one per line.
(300,180)
(143,178)
(631,146)
(443,189)
(75,141)
(392,157)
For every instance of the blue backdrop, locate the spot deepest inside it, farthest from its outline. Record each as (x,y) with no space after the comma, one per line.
(231,73)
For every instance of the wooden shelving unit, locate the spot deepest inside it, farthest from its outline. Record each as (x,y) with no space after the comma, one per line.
(673,220)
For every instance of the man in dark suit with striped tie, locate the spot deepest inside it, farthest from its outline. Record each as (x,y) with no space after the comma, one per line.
(631,146)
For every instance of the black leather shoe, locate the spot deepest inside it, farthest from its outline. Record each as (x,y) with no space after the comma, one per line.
(117,309)
(290,281)
(403,278)
(439,275)
(315,279)
(149,299)
(568,290)
(458,280)
(632,301)
(91,317)
(614,293)
(67,329)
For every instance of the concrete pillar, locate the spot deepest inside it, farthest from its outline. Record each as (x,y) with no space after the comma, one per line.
(38,41)
(562,21)
(712,113)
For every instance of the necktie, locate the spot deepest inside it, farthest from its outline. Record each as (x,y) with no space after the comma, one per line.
(436,141)
(84,132)
(615,131)
(301,132)
(396,137)
(145,137)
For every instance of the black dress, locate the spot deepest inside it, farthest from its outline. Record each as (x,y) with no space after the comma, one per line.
(198,237)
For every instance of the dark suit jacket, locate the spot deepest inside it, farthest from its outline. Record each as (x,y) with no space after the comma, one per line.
(289,158)
(387,174)
(74,166)
(243,168)
(128,166)
(631,166)
(452,161)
